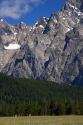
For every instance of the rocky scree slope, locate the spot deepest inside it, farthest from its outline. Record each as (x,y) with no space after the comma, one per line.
(51,49)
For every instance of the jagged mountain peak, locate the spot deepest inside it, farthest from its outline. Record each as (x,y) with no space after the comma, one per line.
(41,23)
(51,49)
(20,25)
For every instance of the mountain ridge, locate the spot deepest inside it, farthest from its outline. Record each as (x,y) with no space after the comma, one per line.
(51,49)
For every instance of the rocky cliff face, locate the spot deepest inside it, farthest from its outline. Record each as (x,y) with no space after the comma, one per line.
(52,49)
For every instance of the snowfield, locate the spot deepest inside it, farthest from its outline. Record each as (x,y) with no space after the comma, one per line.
(13,46)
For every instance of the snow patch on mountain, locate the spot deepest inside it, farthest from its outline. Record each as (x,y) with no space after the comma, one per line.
(1,20)
(41,26)
(15,33)
(11,46)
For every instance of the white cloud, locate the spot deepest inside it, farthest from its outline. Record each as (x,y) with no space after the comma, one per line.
(16,8)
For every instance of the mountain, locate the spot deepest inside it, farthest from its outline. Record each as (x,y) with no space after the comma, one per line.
(51,49)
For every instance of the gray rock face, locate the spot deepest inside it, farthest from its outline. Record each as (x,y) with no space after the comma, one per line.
(51,49)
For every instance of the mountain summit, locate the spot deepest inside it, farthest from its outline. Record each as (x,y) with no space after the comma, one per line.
(51,49)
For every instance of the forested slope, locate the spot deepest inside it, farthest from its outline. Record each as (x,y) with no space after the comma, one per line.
(24,97)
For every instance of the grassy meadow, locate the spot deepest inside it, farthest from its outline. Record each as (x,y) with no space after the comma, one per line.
(42,120)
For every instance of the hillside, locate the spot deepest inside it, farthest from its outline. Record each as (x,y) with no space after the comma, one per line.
(24,97)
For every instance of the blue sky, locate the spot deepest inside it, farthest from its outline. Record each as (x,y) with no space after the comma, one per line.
(28,11)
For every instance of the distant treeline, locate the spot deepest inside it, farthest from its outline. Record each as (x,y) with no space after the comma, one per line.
(31,97)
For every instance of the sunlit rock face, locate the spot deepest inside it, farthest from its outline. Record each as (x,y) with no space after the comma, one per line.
(51,49)
(78,4)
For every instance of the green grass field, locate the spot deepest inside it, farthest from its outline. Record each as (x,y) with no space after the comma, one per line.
(47,120)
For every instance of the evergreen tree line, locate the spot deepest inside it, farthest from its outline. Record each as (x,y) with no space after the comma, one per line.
(22,97)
